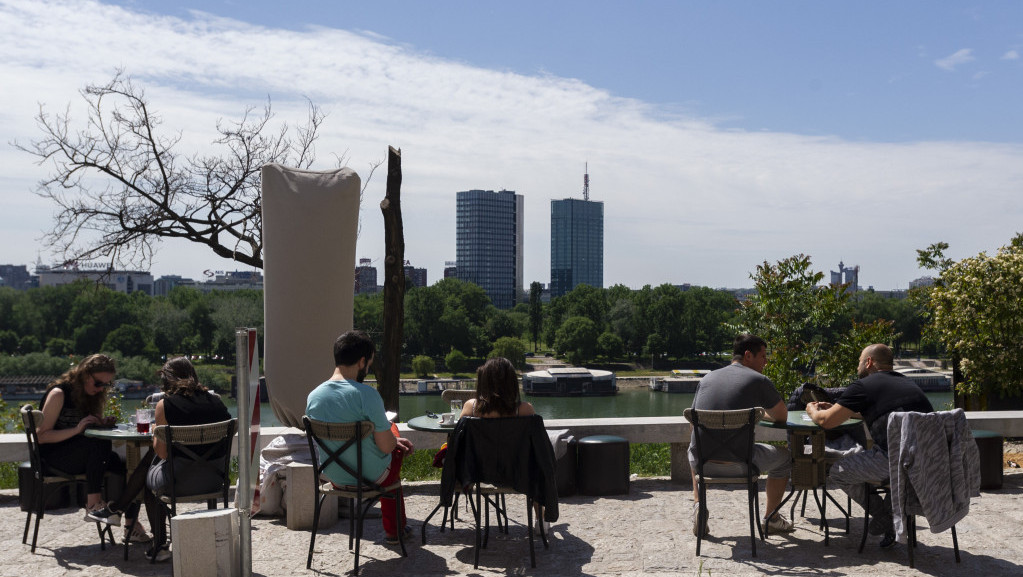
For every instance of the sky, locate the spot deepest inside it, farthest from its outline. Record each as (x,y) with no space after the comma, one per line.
(718,135)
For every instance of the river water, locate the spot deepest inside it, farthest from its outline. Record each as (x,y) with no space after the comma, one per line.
(627,403)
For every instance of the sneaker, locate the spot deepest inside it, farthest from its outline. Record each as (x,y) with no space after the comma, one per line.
(779,524)
(393,539)
(696,524)
(162,553)
(103,514)
(136,533)
(888,540)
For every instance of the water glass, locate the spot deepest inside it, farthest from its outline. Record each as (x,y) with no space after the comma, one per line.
(456,406)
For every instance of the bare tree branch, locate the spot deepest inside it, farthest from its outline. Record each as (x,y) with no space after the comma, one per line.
(120,185)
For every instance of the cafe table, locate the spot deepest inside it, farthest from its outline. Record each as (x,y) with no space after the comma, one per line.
(809,463)
(431,423)
(133,442)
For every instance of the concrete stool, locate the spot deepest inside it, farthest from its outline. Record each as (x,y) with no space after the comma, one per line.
(206,543)
(603,465)
(300,502)
(989,444)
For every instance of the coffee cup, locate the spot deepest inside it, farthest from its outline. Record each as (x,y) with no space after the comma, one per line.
(447,419)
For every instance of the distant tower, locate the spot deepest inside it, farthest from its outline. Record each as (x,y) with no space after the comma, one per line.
(586,182)
(577,242)
(849,275)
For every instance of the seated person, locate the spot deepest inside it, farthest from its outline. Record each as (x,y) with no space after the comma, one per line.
(497,392)
(878,392)
(71,403)
(343,398)
(742,385)
(185,402)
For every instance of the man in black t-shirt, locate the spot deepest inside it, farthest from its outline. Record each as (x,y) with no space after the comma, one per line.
(878,392)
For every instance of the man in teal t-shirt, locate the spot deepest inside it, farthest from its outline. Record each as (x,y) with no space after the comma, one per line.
(344,399)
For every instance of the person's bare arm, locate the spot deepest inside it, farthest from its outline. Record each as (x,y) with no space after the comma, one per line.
(778,413)
(828,415)
(159,418)
(385,440)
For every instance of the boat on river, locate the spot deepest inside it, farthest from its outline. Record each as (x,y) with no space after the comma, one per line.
(432,386)
(569,382)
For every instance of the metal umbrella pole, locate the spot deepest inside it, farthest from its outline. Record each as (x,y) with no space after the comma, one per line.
(247,369)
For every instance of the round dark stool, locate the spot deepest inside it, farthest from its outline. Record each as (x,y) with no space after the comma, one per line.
(602,465)
(989,444)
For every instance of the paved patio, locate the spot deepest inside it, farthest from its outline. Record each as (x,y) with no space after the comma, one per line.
(644,533)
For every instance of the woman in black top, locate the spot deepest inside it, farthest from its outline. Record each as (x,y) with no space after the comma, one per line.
(72,403)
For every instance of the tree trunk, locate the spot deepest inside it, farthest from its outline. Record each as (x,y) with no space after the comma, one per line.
(388,369)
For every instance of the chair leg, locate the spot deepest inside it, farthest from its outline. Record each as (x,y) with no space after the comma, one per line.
(866,515)
(312,536)
(955,544)
(476,513)
(529,523)
(701,513)
(751,491)
(911,521)
(399,515)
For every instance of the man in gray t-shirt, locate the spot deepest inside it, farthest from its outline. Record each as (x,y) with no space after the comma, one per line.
(742,385)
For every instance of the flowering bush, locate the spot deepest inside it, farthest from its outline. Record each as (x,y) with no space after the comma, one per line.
(976,308)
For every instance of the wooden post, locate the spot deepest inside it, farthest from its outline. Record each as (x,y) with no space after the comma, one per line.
(388,367)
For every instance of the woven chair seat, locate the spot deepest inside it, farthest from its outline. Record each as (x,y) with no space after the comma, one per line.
(352,492)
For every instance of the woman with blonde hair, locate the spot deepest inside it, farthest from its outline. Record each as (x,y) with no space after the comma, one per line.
(72,403)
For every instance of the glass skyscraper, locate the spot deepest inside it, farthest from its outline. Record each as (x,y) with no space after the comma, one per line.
(577,244)
(489,243)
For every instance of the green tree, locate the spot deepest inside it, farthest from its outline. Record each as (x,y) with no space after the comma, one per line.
(422,365)
(455,361)
(610,345)
(8,341)
(130,341)
(510,348)
(655,347)
(797,318)
(577,339)
(29,344)
(59,347)
(976,308)
(535,312)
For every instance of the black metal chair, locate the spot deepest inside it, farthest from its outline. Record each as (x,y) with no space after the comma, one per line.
(194,450)
(714,433)
(362,495)
(909,503)
(46,479)
(489,458)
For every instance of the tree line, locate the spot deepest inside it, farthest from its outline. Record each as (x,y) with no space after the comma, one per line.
(451,321)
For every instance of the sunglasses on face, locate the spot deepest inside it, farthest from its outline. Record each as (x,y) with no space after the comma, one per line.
(98,383)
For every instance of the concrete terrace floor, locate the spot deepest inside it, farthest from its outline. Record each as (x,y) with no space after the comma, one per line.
(646,532)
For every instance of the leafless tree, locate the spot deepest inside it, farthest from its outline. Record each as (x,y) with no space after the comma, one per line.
(120,186)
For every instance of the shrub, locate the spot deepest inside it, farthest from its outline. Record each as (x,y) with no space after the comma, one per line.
(422,365)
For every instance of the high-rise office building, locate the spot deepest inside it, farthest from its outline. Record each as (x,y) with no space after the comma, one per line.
(577,244)
(489,243)
(365,277)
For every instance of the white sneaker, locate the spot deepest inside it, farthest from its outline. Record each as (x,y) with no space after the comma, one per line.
(137,534)
(779,524)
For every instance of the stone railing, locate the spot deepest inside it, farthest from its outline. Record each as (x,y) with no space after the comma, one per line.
(674,430)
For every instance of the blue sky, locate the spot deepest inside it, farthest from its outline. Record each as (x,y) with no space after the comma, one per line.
(719,135)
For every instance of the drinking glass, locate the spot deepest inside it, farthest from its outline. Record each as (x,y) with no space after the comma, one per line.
(143,417)
(456,407)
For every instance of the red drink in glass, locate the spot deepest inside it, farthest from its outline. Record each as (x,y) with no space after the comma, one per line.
(142,427)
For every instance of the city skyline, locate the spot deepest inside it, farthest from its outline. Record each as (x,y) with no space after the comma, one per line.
(718,136)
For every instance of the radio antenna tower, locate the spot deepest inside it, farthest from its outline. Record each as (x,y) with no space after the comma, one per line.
(586,182)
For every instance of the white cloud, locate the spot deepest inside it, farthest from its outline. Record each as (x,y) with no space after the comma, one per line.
(1011,55)
(684,200)
(953,60)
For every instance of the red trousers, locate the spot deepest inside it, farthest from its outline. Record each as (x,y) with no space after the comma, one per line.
(388,511)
